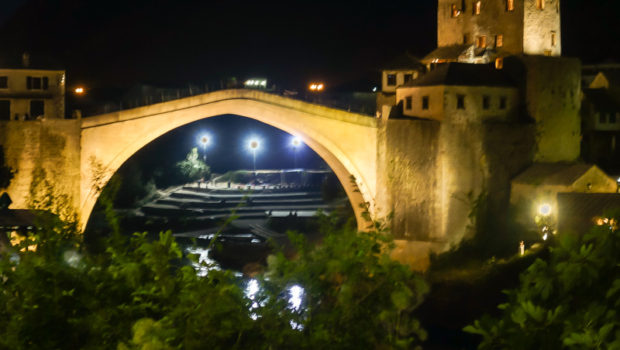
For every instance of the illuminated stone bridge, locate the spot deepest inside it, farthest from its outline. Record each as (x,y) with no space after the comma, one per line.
(416,170)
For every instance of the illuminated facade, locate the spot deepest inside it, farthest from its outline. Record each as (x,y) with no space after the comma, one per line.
(27,93)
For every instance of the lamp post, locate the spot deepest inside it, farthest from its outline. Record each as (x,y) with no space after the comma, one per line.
(254,144)
(295,142)
(204,141)
(543,220)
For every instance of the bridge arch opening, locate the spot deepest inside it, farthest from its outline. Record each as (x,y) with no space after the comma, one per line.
(110,140)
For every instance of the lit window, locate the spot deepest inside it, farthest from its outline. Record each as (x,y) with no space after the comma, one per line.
(391,79)
(408,78)
(408,102)
(477,6)
(499,63)
(553,39)
(502,102)
(425,102)
(481,42)
(540,4)
(4,82)
(510,5)
(455,11)
(499,40)
(5,110)
(460,101)
(486,101)
(547,52)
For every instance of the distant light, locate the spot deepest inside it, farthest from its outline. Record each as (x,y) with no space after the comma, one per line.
(295,141)
(254,144)
(316,87)
(256,83)
(79,90)
(544,209)
(374,89)
(205,140)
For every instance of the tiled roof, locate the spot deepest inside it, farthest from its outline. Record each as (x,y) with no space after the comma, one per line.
(404,61)
(553,174)
(463,74)
(602,100)
(446,53)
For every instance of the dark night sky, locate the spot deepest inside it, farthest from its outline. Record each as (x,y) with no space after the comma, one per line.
(120,43)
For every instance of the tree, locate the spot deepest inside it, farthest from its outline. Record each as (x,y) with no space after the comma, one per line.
(571,300)
(193,168)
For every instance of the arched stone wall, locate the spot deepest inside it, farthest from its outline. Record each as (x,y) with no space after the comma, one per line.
(346,141)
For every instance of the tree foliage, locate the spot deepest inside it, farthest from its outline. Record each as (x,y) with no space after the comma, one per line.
(570,301)
(193,168)
(139,294)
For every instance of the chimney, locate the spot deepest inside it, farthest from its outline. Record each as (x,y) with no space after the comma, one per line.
(26,59)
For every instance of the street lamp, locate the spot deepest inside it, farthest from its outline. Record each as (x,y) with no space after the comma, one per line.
(295,142)
(204,141)
(254,144)
(543,220)
(79,90)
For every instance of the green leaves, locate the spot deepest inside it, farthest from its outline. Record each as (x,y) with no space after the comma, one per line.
(568,301)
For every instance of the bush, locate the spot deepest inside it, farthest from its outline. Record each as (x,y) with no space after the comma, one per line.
(139,294)
(570,301)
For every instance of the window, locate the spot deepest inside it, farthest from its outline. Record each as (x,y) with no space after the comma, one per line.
(481,42)
(408,103)
(4,82)
(547,52)
(499,40)
(477,6)
(486,101)
(37,108)
(455,12)
(612,118)
(37,83)
(425,102)
(502,102)
(465,38)
(540,4)
(499,63)
(553,39)
(602,119)
(510,5)
(408,78)
(460,101)
(5,110)
(391,79)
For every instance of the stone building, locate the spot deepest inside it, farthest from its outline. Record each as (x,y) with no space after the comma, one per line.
(395,73)
(600,114)
(29,91)
(477,31)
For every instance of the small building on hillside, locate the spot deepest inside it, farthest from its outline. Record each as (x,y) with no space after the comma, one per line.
(30,91)
(461,92)
(401,70)
(540,184)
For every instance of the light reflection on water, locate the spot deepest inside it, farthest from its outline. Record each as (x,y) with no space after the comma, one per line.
(204,263)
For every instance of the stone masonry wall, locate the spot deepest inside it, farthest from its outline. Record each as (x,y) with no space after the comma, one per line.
(46,158)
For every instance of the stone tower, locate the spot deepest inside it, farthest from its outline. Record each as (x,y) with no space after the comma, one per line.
(507,27)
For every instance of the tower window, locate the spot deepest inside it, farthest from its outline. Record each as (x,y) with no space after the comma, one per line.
(465,38)
(391,79)
(554,39)
(510,5)
(408,77)
(481,42)
(425,102)
(499,40)
(408,103)
(477,6)
(460,101)
(486,102)
(499,63)
(540,4)
(37,83)
(455,12)
(4,82)
(502,102)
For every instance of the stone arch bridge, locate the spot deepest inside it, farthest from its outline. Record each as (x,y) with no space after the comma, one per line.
(404,167)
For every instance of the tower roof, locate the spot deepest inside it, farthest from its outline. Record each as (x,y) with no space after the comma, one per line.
(464,74)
